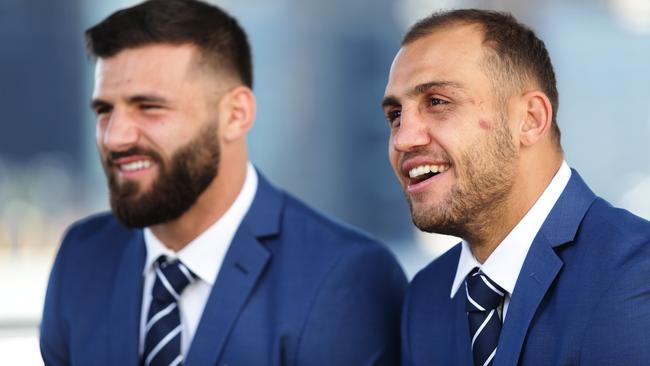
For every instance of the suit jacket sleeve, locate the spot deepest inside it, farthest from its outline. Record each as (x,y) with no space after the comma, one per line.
(53,335)
(355,317)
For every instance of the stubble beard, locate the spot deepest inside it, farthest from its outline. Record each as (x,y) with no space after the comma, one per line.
(485,177)
(179,184)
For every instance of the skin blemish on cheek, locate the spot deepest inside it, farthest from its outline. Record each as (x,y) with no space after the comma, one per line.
(485,124)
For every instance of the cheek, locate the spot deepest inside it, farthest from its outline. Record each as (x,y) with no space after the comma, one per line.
(392,153)
(485,125)
(100,130)
(393,158)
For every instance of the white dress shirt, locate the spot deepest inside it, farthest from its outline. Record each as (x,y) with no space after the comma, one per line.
(203,256)
(504,264)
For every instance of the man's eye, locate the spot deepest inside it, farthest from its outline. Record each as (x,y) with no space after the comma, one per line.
(393,116)
(146,107)
(100,111)
(437,101)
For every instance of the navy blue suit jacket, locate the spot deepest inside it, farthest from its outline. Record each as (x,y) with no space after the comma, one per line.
(582,296)
(294,289)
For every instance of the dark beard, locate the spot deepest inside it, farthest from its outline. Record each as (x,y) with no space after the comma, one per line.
(180,183)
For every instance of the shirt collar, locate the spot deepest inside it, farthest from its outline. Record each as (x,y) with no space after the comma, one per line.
(504,264)
(204,255)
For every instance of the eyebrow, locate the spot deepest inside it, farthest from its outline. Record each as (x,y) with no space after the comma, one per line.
(144,98)
(392,101)
(389,101)
(98,103)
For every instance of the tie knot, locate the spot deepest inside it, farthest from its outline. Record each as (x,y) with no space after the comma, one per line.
(483,294)
(172,277)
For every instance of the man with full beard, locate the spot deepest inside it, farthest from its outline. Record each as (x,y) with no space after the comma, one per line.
(202,261)
(547,272)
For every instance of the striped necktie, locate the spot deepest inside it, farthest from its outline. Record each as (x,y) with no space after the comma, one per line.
(162,344)
(484,297)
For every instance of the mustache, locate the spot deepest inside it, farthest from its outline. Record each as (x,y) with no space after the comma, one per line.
(436,155)
(111,156)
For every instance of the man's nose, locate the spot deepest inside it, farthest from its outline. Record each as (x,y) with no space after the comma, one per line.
(121,131)
(411,133)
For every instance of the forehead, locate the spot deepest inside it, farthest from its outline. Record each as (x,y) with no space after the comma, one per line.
(151,66)
(451,54)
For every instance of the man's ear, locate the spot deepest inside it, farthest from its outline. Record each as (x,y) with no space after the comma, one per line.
(236,113)
(537,117)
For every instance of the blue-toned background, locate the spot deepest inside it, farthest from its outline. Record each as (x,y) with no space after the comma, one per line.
(320,69)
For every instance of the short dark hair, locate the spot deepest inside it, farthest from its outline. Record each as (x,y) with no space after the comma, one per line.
(520,54)
(216,34)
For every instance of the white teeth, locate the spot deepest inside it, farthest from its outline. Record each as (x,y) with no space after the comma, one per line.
(425,169)
(136,165)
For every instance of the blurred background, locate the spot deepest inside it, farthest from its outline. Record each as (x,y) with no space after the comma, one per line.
(320,69)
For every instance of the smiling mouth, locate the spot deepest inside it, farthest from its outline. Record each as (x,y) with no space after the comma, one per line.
(130,167)
(425,172)
(135,166)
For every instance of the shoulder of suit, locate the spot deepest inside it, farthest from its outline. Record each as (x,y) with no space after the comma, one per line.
(95,222)
(617,224)
(96,231)
(298,216)
(611,239)
(309,233)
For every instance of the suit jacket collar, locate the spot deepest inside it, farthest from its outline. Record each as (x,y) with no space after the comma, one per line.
(263,218)
(562,223)
(241,271)
(542,266)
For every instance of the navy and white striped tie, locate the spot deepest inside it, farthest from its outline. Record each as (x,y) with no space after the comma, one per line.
(484,297)
(162,344)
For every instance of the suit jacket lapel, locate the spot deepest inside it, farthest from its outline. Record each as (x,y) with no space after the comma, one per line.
(241,270)
(126,301)
(541,267)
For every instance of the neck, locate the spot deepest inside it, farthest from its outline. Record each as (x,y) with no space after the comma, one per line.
(488,231)
(208,209)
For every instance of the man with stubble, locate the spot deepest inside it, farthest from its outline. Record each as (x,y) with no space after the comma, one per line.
(547,272)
